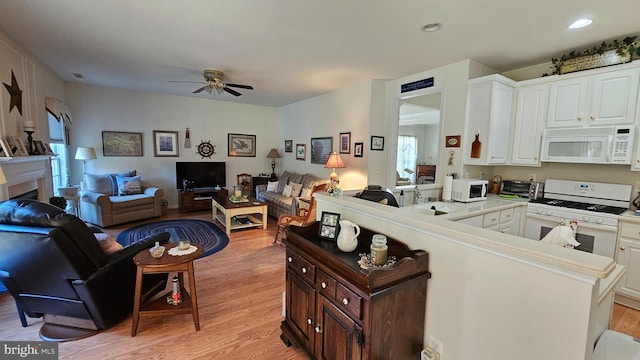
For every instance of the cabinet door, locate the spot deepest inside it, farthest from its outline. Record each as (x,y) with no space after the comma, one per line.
(500,124)
(629,256)
(613,98)
(337,335)
(300,308)
(531,112)
(567,102)
(473,221)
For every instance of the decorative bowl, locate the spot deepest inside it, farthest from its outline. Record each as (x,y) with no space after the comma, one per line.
(184,244)
(157,251)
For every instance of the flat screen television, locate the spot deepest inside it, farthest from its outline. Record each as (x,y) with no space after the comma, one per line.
(203,174)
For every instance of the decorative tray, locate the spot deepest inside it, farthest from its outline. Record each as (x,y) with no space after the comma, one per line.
(236,200)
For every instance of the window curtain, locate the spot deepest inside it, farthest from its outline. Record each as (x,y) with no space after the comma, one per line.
(61,120)
(407,156)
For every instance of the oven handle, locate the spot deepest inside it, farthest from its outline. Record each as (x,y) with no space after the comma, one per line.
(556,220)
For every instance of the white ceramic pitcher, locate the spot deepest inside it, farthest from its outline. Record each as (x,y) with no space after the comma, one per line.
(348,236)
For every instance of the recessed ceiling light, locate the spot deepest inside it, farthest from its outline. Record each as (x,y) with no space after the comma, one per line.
(580,23)
(432,27)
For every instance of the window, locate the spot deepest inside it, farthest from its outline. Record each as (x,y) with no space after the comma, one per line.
(407,156)
(59,165)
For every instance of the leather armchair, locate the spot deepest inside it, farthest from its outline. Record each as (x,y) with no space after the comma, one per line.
(53,266)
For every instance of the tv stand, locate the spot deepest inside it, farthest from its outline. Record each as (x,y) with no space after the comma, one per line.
(199,199)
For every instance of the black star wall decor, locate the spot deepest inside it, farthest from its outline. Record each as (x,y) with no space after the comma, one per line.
(15,92)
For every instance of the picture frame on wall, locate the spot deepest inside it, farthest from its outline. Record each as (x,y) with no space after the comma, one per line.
(241,145)
(165,143)
(121,143)
(377,143)
(329,225)
(301,151)
(358,149)
(288,146)
(345,143)
(321,149)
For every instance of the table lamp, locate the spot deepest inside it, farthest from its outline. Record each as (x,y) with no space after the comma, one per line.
(334,162)
(273,155)
(85,154)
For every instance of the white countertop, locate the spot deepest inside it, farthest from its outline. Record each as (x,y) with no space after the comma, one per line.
(458,210)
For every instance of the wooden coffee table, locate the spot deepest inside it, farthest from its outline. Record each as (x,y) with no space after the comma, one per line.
(228,210)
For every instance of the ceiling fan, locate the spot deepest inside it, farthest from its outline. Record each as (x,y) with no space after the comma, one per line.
(214,81)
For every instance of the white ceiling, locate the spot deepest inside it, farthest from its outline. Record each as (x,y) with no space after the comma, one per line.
(291,50)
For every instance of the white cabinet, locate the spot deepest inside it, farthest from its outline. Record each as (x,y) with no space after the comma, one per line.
(531,113)
(607,98)
(488,121)
(629,256)
(506,221)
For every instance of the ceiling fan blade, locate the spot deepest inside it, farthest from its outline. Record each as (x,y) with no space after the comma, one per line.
(240,86)
(200,90)
(231,91)
(190,82)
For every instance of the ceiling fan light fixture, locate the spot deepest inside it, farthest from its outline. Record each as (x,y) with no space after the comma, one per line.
(432,27)
(580,23)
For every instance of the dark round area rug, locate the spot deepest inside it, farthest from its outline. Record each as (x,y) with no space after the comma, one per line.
(200,232)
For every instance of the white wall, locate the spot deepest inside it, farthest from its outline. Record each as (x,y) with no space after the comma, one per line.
(96,109)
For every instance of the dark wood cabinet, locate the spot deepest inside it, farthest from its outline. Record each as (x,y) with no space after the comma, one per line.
(198,199)
(260,180)
(336,310)
(426,174)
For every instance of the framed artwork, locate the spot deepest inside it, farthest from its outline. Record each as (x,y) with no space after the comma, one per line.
(5,149)
(301,151)
(329,225)
(241,145)
(358,149)
(165,143)
(17,146)
(39,147)
(288,146)
(345,143)
(48,149)
(120,143)
(321,149)
(452,141)
(377,143)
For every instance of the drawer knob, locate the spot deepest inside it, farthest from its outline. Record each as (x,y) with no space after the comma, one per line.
(324,285)
(345,301)
(318,329)
(622,248)
(289,259)
(304,270)
(309,321)
(579,118)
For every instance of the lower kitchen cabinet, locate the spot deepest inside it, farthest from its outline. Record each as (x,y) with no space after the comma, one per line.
(628,288)
(337,310)
(506,221)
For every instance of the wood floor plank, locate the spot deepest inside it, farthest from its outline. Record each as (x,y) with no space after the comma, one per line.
(240,306)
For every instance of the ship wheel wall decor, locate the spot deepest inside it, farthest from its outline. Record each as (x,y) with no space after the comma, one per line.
(205,149)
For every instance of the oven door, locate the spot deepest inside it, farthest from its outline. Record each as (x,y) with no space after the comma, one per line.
(596,239)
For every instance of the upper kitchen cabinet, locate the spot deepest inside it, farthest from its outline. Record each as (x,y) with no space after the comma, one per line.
(488,122)
(531,113)
(608,98)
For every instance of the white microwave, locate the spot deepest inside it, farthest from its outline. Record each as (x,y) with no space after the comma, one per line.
(595,145)
(468,190)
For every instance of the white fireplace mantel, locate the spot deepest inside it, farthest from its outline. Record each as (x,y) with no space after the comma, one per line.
(24,174)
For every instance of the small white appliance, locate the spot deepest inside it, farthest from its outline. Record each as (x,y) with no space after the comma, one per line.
(468,190)
(593,145)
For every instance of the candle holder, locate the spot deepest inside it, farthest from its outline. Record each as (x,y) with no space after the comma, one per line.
(30,140)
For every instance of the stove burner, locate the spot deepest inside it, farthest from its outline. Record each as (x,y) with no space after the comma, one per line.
(598,208)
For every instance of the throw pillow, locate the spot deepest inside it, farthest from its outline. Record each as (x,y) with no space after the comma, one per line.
(108,244)
(287,190)
(104,183)
(295,189)
(272,186)
(129,185)
(306,193)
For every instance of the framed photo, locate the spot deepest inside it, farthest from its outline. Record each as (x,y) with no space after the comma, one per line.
(39,147)
(345,143)
(377,143)
(241,145)
(329,225)
(48,149)
(17,146)
(120,143)
(301,151)
(5,149)
(288,146)
(452,141)
(358,149)
(321,149)
(165,143)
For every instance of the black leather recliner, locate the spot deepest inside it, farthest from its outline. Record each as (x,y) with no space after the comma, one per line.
(53,266)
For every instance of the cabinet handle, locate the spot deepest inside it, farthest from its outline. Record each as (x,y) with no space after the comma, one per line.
(592,118)
(318,329)
(304,270)
(289,259)
(493,220)
(309,321)
(345,301)
(622,248)
(579,118)
(324,285)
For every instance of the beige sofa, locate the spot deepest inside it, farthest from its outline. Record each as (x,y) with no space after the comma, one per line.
(106,202)
(277,203)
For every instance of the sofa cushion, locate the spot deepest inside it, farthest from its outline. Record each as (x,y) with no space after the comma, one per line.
(104,183)
(130,201)
(129,185)
(287,178)
(305,193)
(286,191)
(272,186)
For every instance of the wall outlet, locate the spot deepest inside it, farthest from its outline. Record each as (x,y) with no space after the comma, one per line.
(429,354)
(532,177)
(436,345)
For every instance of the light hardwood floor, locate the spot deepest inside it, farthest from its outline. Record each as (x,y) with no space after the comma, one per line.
(240,300)
(239,297)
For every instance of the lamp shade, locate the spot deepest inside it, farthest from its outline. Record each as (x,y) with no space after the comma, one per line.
(334,161)
(273,154)
(85,153)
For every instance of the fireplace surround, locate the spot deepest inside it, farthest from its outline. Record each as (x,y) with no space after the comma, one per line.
(26,174)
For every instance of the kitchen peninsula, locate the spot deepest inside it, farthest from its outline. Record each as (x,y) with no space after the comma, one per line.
(495,295)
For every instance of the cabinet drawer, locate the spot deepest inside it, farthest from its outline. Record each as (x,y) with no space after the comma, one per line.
(301,266)
(490,219)
(349,301)
(506,215)
(630,230)
(326,285)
